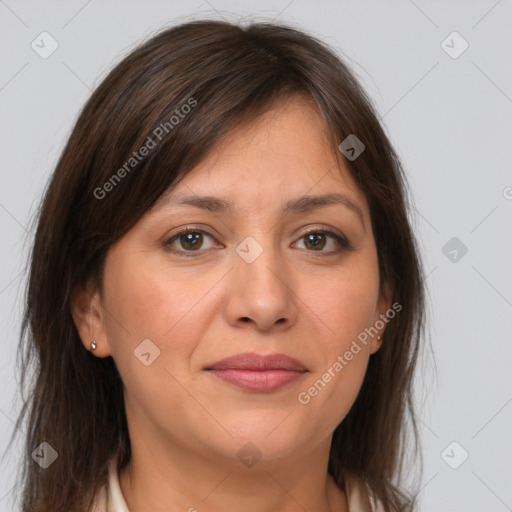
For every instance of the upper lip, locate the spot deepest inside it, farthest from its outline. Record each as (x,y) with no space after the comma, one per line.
(251,361)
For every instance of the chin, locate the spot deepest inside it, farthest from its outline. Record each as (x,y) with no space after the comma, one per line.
(274,434)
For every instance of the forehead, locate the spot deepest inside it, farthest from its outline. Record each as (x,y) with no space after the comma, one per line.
(283,155)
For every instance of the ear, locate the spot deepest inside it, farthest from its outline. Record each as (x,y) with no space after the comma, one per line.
(89,318)
(383,305)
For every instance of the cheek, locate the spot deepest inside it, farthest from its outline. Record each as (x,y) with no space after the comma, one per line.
(332,390)
(344,305)
(144,301)
(151,304)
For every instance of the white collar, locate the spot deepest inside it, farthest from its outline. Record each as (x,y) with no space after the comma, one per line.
(116,502)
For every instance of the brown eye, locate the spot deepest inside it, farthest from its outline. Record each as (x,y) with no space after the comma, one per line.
(191,240)
(187,240)
(316,240)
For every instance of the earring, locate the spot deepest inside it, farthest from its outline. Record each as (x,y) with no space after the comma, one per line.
(93,345)
(378,337)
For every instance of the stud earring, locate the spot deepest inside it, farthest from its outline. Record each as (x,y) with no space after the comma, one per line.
(93,345)
(378,337)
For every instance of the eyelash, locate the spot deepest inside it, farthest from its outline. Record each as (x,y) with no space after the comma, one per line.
(342,242)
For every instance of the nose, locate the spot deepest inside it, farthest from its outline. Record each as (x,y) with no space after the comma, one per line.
(261,292)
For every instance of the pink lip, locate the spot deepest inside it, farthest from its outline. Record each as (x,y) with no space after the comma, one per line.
(258,373)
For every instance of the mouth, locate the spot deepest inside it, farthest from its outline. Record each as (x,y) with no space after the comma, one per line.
(257,373)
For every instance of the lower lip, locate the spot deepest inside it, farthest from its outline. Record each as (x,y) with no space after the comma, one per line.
(258,380)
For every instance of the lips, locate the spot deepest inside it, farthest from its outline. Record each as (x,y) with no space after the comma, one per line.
(253,372)
(255,362)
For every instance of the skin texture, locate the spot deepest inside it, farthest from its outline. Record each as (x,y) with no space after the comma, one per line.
(186,425)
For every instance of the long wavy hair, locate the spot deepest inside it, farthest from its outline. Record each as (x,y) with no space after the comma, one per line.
(228,74)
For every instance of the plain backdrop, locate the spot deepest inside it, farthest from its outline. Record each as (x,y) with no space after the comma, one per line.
(440,76)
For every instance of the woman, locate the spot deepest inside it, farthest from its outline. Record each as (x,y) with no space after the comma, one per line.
(225,297)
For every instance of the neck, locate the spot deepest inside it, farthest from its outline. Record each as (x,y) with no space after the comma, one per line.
(180,479)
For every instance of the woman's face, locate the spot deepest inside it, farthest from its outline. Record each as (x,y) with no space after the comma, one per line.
(246,279)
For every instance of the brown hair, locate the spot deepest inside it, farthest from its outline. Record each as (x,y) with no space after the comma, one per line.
(228,75)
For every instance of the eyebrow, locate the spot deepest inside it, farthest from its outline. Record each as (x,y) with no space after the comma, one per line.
(300,205)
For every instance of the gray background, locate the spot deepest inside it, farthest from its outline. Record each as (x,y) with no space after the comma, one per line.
(450,121)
